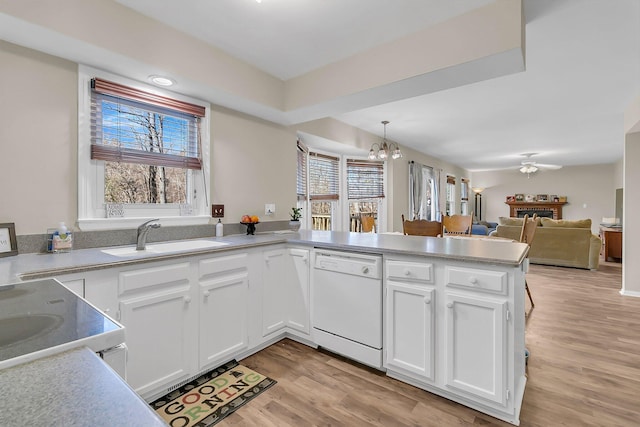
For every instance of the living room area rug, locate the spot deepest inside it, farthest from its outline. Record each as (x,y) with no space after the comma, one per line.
(212,396)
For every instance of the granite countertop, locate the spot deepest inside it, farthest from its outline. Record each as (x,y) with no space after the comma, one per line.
(45,393)
(33,266)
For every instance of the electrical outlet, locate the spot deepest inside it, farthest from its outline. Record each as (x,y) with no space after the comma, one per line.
(217,211)
(269,209)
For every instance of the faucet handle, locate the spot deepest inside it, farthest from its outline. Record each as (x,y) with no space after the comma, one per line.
(148,223)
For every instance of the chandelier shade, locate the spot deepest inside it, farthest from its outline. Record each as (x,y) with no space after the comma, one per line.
(384,150)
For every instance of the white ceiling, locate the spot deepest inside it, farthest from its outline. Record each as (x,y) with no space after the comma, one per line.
(582,70)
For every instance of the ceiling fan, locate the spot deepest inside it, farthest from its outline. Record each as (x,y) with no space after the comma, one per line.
(529,166)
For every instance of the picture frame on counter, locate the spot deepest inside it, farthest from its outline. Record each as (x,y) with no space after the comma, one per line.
(529,198)
(542,198)
(511,198)
(8,240)
(519,197)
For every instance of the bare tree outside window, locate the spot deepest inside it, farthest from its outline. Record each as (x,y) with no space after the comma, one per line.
(126,126)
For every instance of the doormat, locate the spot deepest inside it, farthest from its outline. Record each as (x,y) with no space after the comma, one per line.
(212,396)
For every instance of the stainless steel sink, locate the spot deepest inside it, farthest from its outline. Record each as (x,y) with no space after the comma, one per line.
(166,247)
(14,330)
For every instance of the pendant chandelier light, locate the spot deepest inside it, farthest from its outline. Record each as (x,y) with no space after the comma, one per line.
(384,150)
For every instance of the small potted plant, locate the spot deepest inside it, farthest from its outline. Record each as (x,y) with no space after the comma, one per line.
(296,214)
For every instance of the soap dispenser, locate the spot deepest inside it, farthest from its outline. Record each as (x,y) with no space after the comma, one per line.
(62,240)
(219,228)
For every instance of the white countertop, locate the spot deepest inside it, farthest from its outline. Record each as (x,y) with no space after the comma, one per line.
(37,265)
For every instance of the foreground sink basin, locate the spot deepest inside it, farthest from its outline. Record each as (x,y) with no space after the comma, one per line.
(161,248)
(14,330)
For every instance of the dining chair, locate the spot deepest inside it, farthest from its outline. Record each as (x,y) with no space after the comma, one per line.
(368,222)
(529,227)
(457,224)
(421,227)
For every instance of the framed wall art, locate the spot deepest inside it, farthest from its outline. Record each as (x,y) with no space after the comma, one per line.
(8,241)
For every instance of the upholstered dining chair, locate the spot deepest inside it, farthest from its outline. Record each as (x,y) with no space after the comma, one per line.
(368,222)
(529,227)
(421,227)
(457,224)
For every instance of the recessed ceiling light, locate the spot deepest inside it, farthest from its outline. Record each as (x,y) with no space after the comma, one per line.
(161,80)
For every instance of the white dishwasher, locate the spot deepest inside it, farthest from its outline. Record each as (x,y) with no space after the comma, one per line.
(346,304)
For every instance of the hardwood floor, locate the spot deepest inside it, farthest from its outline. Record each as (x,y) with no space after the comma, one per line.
(584,369)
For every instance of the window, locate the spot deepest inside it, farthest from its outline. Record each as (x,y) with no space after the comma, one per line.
(141,149)
(450,207)
(324,190)
(464,196)
(365,192)
(324,178)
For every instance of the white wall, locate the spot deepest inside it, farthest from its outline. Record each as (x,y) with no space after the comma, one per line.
(590,190)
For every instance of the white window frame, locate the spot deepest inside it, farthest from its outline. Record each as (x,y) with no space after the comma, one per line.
(336,205)
(381,225)
(91,207)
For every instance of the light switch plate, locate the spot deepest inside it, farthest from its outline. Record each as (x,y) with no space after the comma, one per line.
(217,211)
(269,209)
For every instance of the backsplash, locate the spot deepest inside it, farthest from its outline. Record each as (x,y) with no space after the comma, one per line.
(34,243)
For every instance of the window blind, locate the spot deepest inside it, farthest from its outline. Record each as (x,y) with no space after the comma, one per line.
(301,180)
(323,177)
(125,127)
(365,179)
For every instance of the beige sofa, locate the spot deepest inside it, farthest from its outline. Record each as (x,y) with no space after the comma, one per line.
(557,242)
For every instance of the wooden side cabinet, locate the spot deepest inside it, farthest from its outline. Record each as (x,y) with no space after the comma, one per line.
(611,243)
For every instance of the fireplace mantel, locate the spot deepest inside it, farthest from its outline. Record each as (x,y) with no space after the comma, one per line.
(555,207)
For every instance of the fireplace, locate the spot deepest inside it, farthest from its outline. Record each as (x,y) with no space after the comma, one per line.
(543,209)
(547,213)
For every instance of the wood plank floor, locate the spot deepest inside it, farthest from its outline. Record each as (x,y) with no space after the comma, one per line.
(584,369)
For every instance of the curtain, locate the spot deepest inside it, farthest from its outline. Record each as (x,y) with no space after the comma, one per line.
(424,192)
(415,189)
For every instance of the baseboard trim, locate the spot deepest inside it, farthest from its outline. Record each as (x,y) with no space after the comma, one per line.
(626,293)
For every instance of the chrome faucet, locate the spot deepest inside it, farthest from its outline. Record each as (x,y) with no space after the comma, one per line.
(143,229)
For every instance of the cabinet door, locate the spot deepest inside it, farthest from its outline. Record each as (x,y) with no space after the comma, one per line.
(298,290)
(476,344)
(410,330)
(274,295)
(160,339)
(223,318)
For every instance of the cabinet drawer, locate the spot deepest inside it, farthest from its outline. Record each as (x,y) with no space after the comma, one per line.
(161,276)
(223,264)
(476,279)
(403,270)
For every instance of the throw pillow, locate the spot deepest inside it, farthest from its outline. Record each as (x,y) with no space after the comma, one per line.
(580,223)
(503,220)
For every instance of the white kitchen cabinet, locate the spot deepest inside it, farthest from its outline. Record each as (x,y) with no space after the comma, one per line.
(285,290)
(410,334)
(160,321)
(410,305)
(298,290)
(476,342)
(223,293)
(274,291)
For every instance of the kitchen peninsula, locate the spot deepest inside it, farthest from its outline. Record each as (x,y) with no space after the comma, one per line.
(452,309)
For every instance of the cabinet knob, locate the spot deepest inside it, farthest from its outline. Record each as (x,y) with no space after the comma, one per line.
(473,280)
(206,294)
(449,305)
(407,272)
(427,300)
(187,299)
(305,260)
(365,270)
